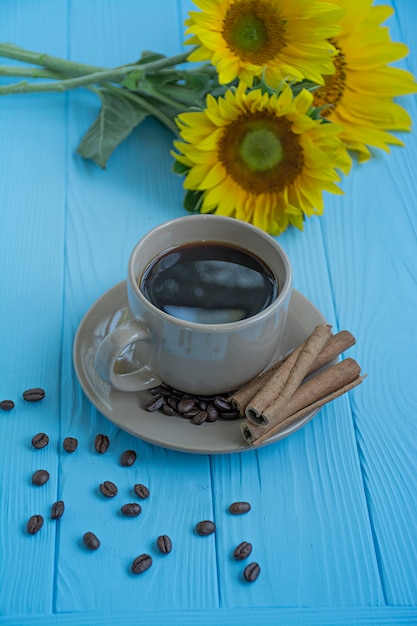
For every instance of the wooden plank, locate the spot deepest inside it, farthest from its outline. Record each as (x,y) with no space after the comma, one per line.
(107,212)
(341,616)
(313,546)
(370,242)
(32,203)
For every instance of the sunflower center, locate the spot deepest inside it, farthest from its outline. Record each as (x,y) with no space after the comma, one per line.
(334,85)
(261,152)
(254,30)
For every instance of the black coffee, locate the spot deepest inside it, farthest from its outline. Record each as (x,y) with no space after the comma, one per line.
(209,283)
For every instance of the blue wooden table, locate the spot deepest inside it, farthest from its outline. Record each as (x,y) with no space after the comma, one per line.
(334,517)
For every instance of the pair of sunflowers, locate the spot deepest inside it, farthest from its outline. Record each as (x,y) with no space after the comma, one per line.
(306,85)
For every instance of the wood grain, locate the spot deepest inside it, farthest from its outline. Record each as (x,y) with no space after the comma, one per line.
(333,518)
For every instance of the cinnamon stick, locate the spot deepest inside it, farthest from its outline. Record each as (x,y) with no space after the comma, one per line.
(311,395)
(336,344)
(285,381)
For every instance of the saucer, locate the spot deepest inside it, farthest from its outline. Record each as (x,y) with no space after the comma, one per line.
(174,432)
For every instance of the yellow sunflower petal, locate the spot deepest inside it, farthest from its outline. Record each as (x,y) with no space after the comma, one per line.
(260,158)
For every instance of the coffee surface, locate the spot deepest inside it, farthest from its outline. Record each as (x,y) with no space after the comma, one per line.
(209,283)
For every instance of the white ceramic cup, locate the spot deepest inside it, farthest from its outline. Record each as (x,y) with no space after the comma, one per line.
(198,358)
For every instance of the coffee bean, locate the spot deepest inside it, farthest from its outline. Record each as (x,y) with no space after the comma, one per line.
(242,551)
(162,390)
(141,563)
(205,527)
(131,510)
(34,524)
(230,415)
(40,441)
(57,509)
(238,508)
(173,402)
(154,403)
(91,541)
(108,489)
(101,443)
(164,543)
(251,572)
(200,418)
(40,477)
(128,458)
(168,409)
(185,405)
(141,491)
(34,395)
(70,444)
(212,412)
(222,404)
(6,405)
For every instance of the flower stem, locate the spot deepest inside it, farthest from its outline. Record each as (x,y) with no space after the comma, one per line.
(28,72)
(116,75)
(73,68)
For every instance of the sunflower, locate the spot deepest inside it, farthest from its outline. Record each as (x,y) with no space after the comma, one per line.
(260,157)
(361,91)
(287,38)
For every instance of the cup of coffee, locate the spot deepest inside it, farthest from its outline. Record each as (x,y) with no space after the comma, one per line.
(208,299)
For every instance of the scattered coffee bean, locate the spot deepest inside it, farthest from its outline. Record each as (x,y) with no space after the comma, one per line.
(91,541)
(242,551)
(205,527)
(70,444)
(251,572)
(128,458)
(141,491)
(40,441)
(40,477)
(6,405)
(132,509)
(154,403)
(237,508)
(57,509)
(34,524)
(101,443)
(34,395)
(164,543)
(108,489)
(141,563)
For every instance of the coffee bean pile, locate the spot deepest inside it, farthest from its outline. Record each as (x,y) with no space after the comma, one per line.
(199,409)
(186,405)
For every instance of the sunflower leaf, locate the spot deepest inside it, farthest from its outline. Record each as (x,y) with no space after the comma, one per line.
(117,118)
(179,168)
(193,201)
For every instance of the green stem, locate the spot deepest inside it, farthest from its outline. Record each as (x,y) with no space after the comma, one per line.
(73,68)
(115,75)
(28,72)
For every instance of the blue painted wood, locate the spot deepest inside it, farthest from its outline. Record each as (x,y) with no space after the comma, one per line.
(333,519)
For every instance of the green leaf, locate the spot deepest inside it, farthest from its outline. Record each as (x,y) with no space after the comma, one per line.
(132,79)
(193,201)
(147,56)
(179,168)
(117,118)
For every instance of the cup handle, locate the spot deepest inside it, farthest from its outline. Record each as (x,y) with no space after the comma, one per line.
(110,350)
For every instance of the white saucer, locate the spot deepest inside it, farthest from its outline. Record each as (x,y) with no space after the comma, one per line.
(125,409)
